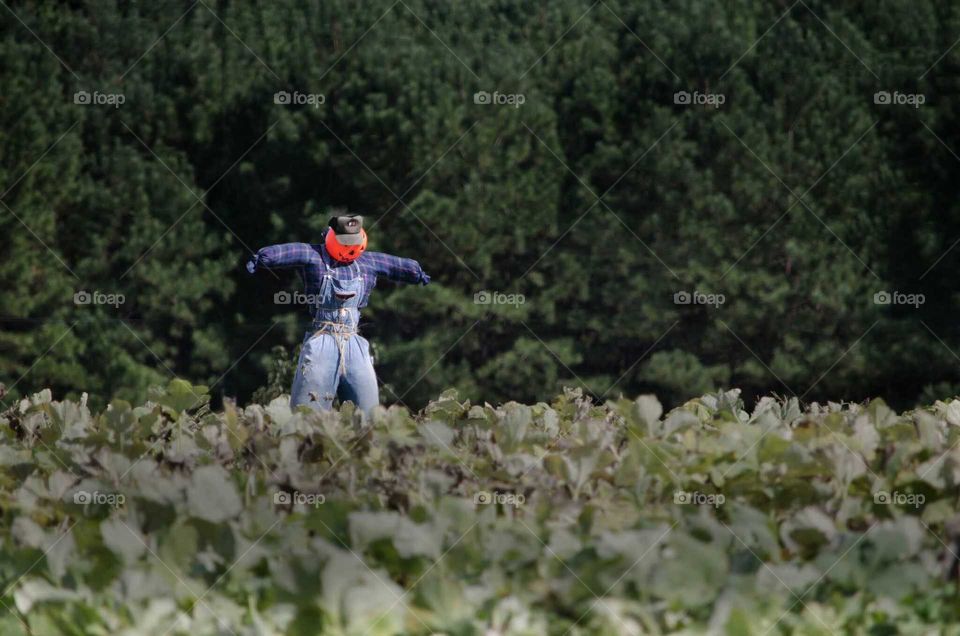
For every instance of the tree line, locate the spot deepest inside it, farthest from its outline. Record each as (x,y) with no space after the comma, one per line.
(622,196)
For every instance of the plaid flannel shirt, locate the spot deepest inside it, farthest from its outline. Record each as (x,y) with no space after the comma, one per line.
(311,260)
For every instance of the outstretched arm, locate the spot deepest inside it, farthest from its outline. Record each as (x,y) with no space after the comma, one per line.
(397,269)
(280,256)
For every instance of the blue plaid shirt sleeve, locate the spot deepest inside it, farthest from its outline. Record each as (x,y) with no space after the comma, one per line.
(280,256)
(397,268)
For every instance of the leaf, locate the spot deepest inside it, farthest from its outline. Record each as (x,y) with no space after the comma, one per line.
(180,545)
(361,600)
(279,411)
(678,421)
(437,434)
(881,414)
(753,531)
(513,425)
(808,530)
(120,538)
(59,552)
(367,527)
(237,435)
(580,464)
(938,511)
(672,578)
(180,396)
(649,410)
(952,412)
(413,539)
(34,591)
(555,465)
(212,496)
(28,532)
(447,409)
(795,577)
(120,417)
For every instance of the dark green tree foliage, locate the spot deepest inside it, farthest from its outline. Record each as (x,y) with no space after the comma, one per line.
(598,198)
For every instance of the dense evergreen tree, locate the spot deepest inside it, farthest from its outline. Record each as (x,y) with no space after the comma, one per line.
(598,198)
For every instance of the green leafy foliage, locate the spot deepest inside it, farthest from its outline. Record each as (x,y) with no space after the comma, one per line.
(568,517)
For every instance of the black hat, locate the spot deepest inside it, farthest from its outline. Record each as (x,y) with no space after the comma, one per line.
(347,228)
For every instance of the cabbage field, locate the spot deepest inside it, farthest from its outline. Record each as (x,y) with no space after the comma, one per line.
(565,518)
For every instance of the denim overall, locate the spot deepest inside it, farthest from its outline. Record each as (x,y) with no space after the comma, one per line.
(335,359)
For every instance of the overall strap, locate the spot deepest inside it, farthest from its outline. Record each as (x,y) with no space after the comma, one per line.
(339,331)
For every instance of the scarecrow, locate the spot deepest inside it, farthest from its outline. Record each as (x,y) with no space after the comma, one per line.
(338,275)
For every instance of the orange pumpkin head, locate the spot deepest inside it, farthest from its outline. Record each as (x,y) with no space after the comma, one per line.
(346,240)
